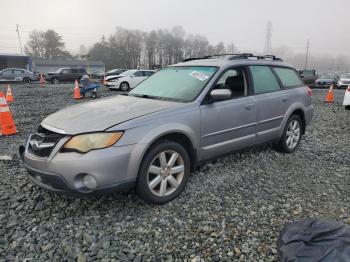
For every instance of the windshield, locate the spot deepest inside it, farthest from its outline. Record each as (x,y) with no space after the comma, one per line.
(59,70)
(127,73)
(112,71)
(347,75)
(181,83)
(327,76)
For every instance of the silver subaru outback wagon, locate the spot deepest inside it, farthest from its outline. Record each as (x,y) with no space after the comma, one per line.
(151,138)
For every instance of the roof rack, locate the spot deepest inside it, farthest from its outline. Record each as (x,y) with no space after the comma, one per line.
(238,56)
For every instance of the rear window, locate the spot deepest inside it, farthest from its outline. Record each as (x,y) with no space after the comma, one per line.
(288,77)
(264,79)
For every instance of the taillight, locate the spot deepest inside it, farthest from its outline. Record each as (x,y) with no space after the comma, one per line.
(309,90)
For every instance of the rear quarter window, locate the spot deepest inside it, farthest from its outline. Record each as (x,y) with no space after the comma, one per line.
(263,79)
(288,77)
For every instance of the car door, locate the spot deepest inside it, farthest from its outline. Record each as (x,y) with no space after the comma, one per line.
(230,124)
(18,73)
(271,102)
(7,74)
(66,75)
(137,78)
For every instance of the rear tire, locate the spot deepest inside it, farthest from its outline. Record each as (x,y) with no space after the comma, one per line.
(55,81)
(163,173)
(94,95)
(292,134)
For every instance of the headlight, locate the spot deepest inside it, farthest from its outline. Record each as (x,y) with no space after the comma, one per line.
(86,142)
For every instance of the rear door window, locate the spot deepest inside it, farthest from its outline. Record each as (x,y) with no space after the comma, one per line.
(288,77)
(139,74)
(263,79)
(148,73)
(82,71)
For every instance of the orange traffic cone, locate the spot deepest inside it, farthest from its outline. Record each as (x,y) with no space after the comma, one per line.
(9,97)
(42,80)
(76,90)
(330,96)
(104,82)
(7,125)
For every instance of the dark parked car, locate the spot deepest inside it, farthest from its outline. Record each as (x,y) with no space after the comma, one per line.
(18,75)
(308,76)
(326,80)
(65,75)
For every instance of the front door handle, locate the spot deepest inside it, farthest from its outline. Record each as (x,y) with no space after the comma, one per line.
(250,106)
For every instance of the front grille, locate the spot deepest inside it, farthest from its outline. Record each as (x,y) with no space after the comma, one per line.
(43,142)
(346,82)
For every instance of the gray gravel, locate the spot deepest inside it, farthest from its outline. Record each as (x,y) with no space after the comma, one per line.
(232,209)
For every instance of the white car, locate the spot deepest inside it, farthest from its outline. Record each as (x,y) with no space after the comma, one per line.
(128,80)
(344,80)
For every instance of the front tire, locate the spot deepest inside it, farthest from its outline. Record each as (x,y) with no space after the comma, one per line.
(163,173)
(292,134)
(124,86)
(27,80)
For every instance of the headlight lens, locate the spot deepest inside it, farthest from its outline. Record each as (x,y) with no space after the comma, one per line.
(86,142)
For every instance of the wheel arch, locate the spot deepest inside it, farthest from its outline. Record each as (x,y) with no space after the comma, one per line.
(299,112)
(177,136)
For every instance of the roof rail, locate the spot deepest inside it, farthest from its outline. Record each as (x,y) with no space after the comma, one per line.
(238,56)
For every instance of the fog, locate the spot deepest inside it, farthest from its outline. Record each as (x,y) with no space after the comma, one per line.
(325,23)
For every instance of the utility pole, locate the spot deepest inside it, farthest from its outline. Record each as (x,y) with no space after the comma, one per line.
(307,53)
(19,39)
(268,45)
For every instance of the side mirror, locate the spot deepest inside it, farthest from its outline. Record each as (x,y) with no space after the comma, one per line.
(132,76)
(220,94)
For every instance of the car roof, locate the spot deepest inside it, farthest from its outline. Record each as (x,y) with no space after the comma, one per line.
(227,63)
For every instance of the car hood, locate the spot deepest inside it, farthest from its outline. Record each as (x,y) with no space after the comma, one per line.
(324,79)
(112,77)
(104,113)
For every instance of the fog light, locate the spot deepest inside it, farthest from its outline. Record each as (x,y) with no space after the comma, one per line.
(89,181)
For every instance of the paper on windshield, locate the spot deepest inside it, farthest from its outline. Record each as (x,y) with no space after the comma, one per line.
(199,75)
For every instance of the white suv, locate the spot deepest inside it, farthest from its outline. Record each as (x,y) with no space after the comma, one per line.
(128,80)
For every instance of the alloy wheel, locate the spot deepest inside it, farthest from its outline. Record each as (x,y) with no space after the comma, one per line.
(293,134)
(165,173)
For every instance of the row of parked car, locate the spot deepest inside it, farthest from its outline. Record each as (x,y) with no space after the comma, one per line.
(124,79)
(338,80)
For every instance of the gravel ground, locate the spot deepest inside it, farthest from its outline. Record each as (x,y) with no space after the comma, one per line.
(232,209)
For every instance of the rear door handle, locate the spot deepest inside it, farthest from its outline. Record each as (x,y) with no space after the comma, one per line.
(250,106)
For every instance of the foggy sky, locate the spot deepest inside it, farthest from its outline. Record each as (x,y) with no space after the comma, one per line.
(243,22)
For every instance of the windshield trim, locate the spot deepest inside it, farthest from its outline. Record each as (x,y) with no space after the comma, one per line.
(180,100)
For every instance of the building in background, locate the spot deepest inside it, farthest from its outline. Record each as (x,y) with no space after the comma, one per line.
(44,66)
(15,61)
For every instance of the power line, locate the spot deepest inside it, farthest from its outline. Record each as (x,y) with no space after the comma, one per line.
(19,39)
